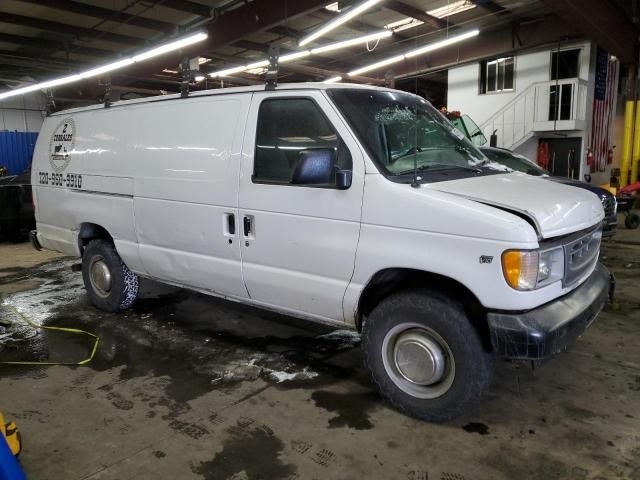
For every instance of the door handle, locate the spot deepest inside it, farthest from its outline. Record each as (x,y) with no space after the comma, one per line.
(231,224)
(247,226)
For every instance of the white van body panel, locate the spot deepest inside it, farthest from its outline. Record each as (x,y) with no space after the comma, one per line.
(185,165)
(163,175)
(554,212)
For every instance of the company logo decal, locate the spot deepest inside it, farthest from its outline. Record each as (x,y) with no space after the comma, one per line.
(62,143)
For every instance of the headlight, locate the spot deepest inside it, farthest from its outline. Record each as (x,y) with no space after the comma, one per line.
(531,269)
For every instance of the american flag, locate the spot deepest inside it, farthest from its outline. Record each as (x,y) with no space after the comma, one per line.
(604,100)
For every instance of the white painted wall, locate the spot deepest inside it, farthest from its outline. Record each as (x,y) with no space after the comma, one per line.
(23,113)
(530,67)
(464,81)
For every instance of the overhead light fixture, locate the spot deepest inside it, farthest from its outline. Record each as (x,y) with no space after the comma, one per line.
(154,52)
(352,42)
(333,79)
(107,68)
(305,53)
(413,53)
(452,8)
(336,22)
(293,56)
(333,7)
(170,47)
(199,78)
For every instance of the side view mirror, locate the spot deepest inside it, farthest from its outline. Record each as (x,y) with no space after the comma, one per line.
(318,167)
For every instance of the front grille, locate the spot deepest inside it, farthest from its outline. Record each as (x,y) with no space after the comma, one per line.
(609,205)
(580,256)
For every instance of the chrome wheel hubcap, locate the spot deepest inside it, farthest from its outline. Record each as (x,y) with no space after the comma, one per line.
(418,360)
(100,276)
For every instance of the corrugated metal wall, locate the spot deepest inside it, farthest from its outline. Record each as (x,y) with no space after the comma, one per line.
(16,150)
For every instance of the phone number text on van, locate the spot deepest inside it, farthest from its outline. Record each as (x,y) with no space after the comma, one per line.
(69,180)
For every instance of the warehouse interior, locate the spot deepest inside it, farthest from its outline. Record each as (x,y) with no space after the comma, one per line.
(187,380)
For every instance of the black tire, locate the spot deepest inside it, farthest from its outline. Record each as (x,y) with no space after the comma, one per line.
(122,288)
(632,221)
(445,321)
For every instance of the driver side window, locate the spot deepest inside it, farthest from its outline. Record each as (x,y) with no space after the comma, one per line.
(287,130)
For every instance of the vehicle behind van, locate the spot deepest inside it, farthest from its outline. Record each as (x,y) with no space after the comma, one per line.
(356,206)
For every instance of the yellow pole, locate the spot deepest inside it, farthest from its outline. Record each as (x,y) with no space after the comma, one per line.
(635,156)
(627,141)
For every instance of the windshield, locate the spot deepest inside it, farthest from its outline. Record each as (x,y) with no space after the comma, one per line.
(515,161)
(402,131)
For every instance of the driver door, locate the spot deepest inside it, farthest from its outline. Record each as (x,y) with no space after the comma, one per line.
(298,241)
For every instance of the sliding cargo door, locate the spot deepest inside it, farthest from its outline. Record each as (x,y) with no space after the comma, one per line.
(187,156)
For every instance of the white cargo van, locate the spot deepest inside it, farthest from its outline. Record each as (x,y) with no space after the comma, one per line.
(358,206)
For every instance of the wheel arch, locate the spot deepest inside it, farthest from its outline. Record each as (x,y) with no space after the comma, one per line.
(90,231)
(391,280)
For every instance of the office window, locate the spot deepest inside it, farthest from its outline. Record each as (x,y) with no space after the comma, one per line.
(497,75)
(565,64)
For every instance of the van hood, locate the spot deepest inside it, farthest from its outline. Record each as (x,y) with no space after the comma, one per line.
(553,208)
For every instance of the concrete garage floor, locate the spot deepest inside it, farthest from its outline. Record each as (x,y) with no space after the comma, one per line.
(185,386)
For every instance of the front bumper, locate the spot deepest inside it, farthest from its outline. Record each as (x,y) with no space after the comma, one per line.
(549,329)
(610,226)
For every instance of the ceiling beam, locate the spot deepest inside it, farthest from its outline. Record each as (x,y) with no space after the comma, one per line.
(105,14)
(188,7)
(489,5)
(231,26)
(601,22)
(409,11)
(68,30)
(51,46)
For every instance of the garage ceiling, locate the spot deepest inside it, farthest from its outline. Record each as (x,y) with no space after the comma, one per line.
(42,39)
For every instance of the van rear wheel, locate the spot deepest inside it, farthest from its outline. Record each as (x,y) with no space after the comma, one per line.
(425,356)
(110,285)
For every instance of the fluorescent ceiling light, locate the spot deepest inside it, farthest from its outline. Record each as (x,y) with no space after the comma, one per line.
(293,56)
(335,23)
(107,68)
(305,53)
(333,79)
(375,66)
(416,52)
(228,71)
(404,24)
(333,7)
(171,46)
(441,44)
(353,41)
(168,47)
(199,78)
(452,8)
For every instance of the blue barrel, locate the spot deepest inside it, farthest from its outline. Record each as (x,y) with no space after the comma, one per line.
(9,466)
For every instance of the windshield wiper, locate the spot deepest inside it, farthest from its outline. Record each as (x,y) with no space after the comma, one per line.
(440,167)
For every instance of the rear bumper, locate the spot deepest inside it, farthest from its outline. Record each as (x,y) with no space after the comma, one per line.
(551,328)
(33,236)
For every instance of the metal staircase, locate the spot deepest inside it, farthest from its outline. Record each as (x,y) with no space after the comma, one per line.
(541,107)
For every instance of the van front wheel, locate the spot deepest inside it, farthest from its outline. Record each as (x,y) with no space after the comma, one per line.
(425,356)
(110,285)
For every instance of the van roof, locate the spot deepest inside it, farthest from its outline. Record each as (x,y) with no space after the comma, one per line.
(224,91)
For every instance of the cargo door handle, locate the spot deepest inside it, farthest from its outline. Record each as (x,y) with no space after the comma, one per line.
(247,226)
(231,224)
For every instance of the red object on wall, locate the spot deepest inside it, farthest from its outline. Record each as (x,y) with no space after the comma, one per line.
(610,156)
(543,155)
(592,167)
